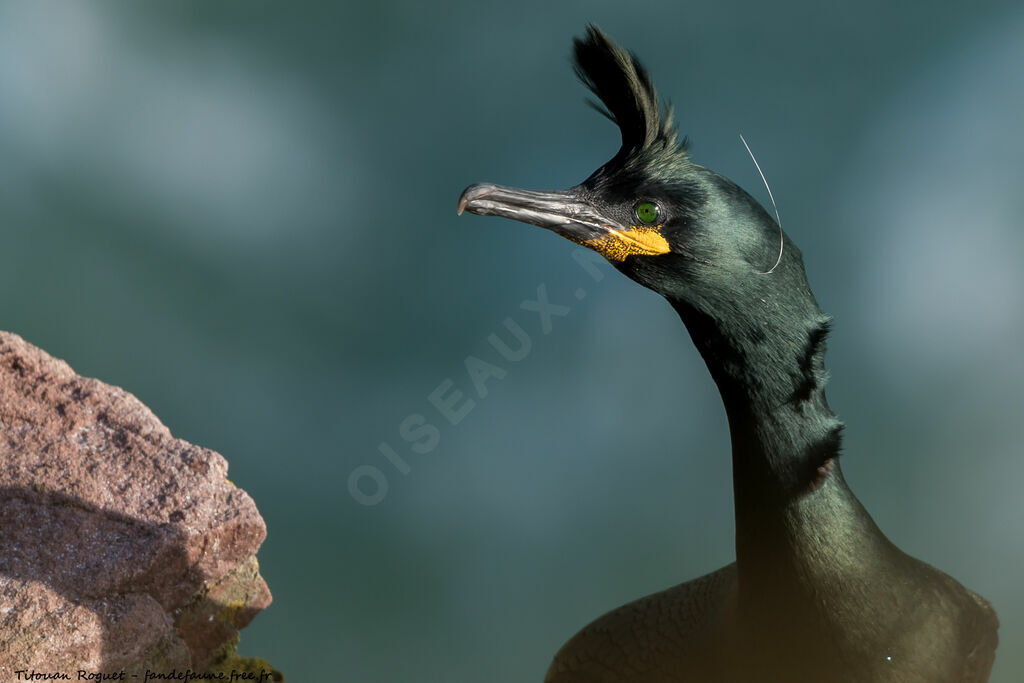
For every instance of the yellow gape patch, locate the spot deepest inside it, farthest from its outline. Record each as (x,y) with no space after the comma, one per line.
(618,244)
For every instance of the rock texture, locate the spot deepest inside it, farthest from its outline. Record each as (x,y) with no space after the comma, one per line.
(121,547)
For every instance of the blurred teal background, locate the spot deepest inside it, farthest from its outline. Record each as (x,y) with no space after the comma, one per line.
(244,213)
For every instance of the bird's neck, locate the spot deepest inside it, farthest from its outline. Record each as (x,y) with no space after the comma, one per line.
(798,525)
(770,370)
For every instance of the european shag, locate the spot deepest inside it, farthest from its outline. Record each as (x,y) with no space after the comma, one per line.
(817,593)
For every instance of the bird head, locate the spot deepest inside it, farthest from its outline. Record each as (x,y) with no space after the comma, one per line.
(668,223)
(708,247)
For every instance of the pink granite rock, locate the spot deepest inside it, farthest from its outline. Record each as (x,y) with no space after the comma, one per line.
(121,547)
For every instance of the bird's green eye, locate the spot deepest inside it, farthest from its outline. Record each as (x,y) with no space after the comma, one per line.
(647,212)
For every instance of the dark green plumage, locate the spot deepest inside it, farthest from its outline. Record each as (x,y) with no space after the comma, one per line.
(817,593)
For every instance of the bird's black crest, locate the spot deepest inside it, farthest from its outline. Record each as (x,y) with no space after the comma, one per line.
(623,85)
